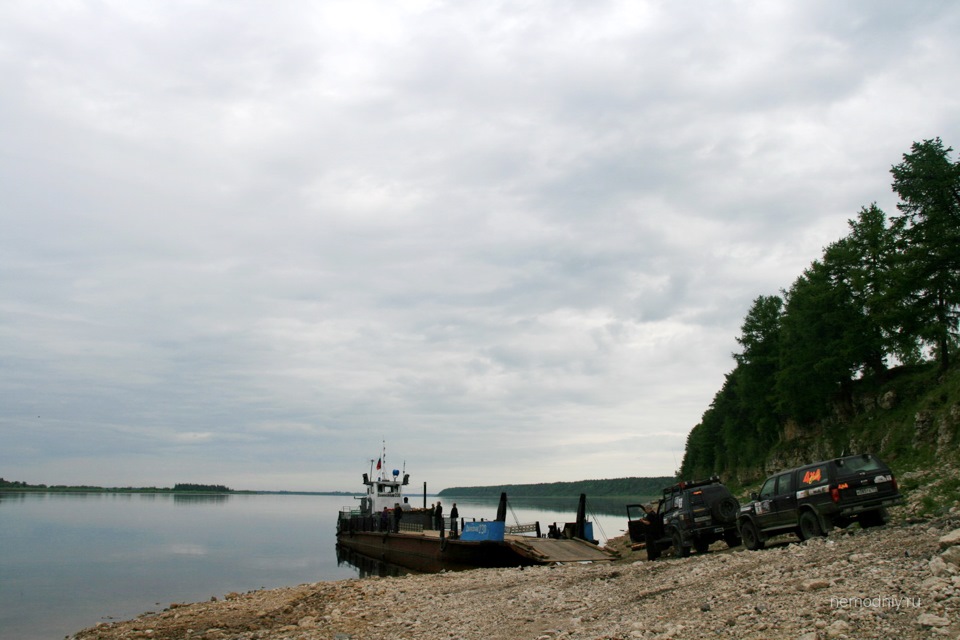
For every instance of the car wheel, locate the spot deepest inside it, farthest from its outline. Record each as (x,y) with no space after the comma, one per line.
(750,536)
(726,510)
(809,526)
(732,539)
(679,550)
(876,518)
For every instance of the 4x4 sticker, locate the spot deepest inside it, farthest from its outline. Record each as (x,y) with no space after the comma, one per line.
(813,475)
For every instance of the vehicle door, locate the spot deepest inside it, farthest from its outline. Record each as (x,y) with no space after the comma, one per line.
(667,513)
(784,505)
(863,479)
(699,509)
(765,514)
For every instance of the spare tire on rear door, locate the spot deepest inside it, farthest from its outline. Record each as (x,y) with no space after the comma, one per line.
(726,510)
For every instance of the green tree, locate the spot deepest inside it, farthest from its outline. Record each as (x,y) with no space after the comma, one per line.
(816,353)
(757,367)
(928,184)
(721,442)
(866,263)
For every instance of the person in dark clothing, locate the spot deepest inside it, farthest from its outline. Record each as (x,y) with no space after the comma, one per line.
(454,516)
(397,514)
(438,514)
(385,520)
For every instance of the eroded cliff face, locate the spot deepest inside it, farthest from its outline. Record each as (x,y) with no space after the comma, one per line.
(911,421)
(935,431)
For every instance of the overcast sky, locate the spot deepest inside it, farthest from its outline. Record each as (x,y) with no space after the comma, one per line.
(246,242)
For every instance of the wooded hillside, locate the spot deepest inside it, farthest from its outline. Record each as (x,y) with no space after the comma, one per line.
(858,354)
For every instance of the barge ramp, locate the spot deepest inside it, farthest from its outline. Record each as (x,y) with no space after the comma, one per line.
(552,551)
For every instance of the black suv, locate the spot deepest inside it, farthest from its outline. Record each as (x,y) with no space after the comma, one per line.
(690,514)
(812,499)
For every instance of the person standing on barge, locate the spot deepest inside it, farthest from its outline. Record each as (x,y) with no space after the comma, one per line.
(454,517)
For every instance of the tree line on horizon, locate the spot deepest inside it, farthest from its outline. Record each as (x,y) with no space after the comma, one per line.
(177,488)
(616,487)
(886,295)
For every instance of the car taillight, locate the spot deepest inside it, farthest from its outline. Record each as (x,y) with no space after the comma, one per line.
(835,493)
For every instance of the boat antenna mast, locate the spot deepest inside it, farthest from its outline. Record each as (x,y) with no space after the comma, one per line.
(383,459)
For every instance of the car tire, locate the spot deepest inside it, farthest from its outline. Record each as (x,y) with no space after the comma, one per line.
(732,539)
(726,510)
(750,536)
(702,545)
(809,525)
(876,518)
(679,550)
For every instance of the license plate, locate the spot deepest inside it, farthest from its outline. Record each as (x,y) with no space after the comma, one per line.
(866,490)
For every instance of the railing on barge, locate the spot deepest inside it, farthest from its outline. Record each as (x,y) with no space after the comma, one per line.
(418,521)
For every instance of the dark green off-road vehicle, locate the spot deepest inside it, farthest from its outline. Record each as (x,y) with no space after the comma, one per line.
(690,515)
(812,499)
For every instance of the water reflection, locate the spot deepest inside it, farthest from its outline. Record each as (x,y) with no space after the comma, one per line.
(71,559)
(200,498)
(368,567)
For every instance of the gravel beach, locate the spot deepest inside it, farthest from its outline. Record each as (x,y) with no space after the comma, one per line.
(897,581)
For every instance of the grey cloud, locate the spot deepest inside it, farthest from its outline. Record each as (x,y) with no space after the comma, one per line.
(260,242)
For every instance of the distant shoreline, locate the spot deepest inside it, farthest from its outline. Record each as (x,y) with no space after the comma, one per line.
(155,490)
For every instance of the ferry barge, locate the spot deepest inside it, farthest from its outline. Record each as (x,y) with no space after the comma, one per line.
(386,527)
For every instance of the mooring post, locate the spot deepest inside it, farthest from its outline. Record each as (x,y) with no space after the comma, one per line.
(581,526)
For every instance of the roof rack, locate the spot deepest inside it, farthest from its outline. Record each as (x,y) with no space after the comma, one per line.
(683,484)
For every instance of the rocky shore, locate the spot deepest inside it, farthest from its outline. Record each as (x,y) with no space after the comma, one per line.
(899,581)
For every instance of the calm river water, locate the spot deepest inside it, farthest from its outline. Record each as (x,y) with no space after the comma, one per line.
(69,561)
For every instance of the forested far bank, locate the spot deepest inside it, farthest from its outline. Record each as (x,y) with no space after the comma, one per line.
(613,488)
(177,488)
(180,488)
(859,353)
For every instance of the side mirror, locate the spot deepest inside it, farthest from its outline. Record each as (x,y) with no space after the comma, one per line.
(754,495)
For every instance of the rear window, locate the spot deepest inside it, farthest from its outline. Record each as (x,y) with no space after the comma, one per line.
(813,475)
(709,494)
(860,463)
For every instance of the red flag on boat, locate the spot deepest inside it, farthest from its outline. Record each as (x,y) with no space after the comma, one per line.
(378,463)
